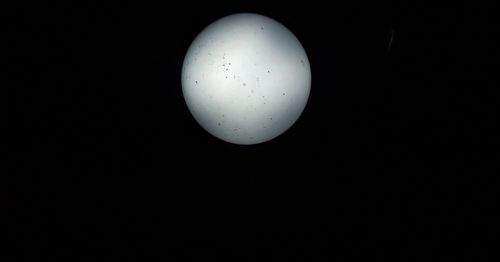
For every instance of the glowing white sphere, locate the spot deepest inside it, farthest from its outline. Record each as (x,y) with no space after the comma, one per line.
(246,79)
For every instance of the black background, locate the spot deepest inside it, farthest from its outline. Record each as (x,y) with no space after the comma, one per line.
(392,157)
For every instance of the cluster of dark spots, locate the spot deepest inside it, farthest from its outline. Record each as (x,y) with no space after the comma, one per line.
(225,67)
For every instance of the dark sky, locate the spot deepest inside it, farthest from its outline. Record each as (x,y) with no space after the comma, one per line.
(390,159)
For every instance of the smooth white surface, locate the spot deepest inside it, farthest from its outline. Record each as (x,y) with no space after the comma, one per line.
(246,79)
